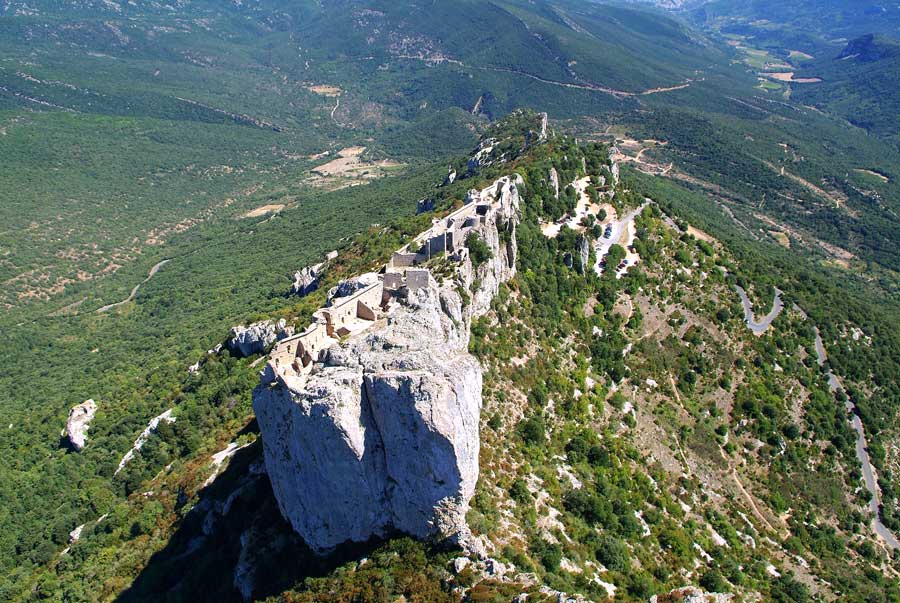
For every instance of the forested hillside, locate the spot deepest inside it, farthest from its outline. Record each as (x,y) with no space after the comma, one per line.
(859,84)
(808,24)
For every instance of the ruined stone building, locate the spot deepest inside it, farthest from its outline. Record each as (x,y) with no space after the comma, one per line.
(353,313)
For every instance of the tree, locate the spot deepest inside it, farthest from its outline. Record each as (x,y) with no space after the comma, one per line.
(479,252)
(532,430)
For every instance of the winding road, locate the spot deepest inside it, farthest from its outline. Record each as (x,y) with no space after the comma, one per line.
(134,291)
(861,453)
(761,326)
(834,384)
(587,85)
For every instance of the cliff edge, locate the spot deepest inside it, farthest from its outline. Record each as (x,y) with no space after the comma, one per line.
(370,418)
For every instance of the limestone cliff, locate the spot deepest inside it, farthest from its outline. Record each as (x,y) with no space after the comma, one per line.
(382,434)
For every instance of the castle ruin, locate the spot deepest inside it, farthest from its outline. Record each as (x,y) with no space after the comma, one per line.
(293,358)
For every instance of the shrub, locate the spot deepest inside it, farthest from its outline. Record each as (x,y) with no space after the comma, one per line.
(519,492)
(548,554)
(613,554)
(532,430)
(713,582)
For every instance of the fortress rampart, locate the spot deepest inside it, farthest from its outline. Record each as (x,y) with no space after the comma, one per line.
(354,313)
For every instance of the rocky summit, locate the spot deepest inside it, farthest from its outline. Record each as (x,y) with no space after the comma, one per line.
(382,434)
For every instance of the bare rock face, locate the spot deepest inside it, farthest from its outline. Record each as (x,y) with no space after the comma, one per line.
(306,280)
(554,182)
(500,236)
(483,155)
(382,435)
(424,205)
(246,341)
(614,168)
(79,420)
(584,252)
(256,545)
(351,285)
(451,176)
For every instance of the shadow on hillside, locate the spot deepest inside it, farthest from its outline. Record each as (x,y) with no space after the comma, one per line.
(235,529)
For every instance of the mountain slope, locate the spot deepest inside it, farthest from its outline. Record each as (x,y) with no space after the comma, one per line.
(226,140)
(859,85)
(810,22)
(636,436)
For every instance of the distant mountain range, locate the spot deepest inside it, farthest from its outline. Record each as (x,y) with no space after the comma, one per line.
(823,19)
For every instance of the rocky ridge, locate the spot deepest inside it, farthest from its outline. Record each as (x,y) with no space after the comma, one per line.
(382,435)
(246,341)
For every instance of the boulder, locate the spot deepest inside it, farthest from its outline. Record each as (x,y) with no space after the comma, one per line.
(460,564)
(306,280)
(255,339)
(554,182)
(79,420)
(351,285)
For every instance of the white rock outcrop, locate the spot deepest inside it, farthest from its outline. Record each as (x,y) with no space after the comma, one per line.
(80,417)
(382,435)
(351,285)
(690,594)
(167,416)
(306,280)
(245,341)
(451,176)
(584,252)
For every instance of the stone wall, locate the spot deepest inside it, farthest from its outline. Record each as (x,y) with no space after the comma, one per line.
(382,433)
(345,310)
